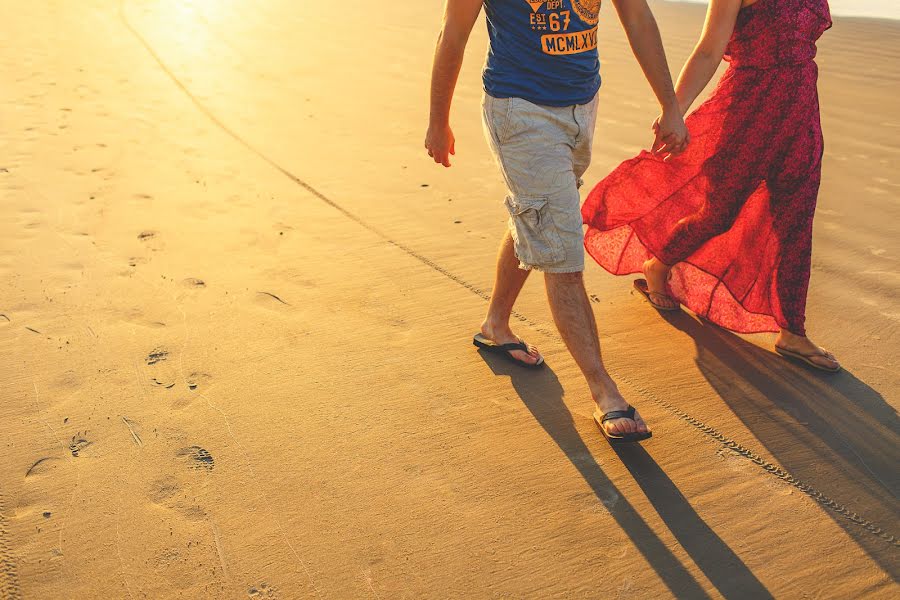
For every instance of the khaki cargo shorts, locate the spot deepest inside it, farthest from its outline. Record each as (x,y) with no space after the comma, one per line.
(542,151)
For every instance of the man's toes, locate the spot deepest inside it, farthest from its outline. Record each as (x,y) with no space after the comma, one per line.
(524,357)
(620,426)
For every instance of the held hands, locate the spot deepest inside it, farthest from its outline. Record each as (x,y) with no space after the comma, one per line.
(440,143)
(672,136)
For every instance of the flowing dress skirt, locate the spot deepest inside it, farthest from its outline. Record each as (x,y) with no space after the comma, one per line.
(733,213)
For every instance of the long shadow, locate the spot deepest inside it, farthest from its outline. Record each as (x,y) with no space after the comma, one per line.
(831,431)
(542,394)
(723,567)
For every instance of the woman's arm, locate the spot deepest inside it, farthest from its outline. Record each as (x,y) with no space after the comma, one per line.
(702,65)
(459,18)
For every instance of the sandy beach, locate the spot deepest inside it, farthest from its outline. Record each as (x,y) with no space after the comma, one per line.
(236,309)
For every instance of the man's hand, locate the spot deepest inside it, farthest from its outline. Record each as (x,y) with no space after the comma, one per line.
(440,143)
(459,18)
(672,136)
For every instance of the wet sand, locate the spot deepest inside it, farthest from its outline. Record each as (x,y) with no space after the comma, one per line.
(237,303)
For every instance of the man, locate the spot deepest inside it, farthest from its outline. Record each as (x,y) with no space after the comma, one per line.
(541,81)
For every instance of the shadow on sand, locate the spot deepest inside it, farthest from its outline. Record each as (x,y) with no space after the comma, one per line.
(831,431)
(542,394)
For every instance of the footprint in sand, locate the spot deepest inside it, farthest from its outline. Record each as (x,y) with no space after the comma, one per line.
(197,458)
(193,282)
(163,489)
(197,379)
(263,590)
(79,443)
(169,493)
(163,375)
(157,355)
(182,402)
(151,239)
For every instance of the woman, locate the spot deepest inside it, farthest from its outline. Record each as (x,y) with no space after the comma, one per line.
(726,227)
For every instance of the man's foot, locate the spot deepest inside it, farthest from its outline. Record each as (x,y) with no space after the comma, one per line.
(621,426)
(503,335)
(657,275)
(803,348)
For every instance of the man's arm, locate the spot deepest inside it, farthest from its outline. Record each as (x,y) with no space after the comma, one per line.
(643,35)
(459,18)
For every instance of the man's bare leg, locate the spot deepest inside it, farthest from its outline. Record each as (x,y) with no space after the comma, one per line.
(575,320)
(507,285)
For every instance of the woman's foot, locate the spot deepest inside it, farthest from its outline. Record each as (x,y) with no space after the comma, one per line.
(502,334)
(657,275)
(802,345)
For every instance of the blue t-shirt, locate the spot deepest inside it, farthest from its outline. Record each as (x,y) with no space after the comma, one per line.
(544,51)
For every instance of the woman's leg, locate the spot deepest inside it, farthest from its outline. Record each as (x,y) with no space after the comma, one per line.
(723,204)
(793,207)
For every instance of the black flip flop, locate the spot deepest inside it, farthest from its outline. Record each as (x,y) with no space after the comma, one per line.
(506,350)
(625,438)
(641,286)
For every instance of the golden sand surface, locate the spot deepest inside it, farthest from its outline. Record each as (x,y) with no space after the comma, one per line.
(236,308)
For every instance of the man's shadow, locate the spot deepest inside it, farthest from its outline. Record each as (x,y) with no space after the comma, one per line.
(542,394)
(830,431)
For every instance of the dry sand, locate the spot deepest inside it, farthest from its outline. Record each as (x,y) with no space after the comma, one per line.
(237,305)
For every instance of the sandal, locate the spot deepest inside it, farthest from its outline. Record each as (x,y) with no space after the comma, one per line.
(628,413)
(641,286)
(506,350)
(807,358)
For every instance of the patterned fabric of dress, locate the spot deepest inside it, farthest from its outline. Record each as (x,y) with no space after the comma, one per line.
(734,212)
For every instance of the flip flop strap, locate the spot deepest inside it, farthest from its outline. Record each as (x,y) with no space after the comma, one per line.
(619,414)
(514,346)
(660,294)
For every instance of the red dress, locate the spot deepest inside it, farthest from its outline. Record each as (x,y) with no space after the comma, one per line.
(734,212)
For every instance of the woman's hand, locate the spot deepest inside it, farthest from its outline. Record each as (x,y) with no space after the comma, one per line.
(672,135)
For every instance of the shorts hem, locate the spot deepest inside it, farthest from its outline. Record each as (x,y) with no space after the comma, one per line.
(551,269)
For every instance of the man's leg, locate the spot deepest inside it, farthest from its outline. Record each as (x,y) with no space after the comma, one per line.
(575,320)
(507,285)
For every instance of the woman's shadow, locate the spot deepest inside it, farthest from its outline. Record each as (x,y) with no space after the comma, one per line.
(830,431)
(542,394)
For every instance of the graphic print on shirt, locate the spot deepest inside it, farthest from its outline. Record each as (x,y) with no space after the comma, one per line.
(556,19)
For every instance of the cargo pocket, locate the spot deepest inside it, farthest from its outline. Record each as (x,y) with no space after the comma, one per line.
(536,237)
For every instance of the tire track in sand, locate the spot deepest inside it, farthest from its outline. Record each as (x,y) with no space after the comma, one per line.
(9,578)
